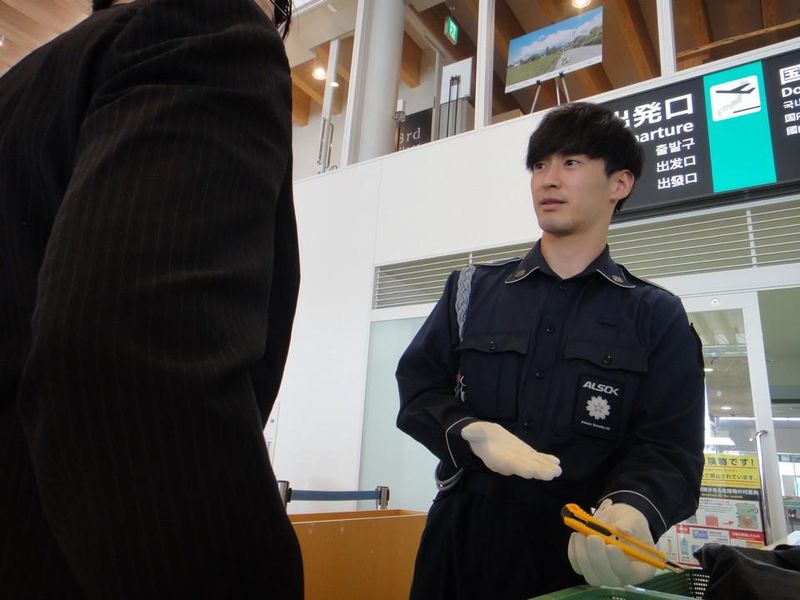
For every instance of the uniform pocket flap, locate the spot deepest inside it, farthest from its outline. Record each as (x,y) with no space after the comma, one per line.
(607,356)
(496,342)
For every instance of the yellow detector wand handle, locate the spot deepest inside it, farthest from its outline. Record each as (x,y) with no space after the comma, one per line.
(577,519)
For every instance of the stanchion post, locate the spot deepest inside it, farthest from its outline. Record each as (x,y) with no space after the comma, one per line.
(285,492)
(382,502)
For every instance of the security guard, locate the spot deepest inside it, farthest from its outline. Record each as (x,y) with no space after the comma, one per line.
(574,382)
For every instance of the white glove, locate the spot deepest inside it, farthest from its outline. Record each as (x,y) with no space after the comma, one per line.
(605,564)
(505,453)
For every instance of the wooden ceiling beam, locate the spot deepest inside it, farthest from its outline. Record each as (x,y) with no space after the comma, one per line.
(769,13)
(411,64)
(709,48)
(634,29)
(301,77)
(701,31)
(301,106)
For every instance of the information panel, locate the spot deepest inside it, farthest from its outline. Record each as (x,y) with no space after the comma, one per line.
(730,510)
(733,130)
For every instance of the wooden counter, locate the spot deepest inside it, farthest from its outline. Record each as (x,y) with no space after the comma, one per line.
(358,555)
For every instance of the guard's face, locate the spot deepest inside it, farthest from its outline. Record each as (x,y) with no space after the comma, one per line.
(572,193)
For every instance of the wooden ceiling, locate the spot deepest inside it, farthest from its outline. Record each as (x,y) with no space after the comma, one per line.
(705,30)
(27,24)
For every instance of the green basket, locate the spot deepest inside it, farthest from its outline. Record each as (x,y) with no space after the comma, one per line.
(667,586)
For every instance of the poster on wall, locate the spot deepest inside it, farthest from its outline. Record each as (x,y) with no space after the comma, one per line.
(693,133)
(565,46)
(730,510)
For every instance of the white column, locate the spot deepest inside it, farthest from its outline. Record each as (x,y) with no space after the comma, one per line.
(483,64)
(375,77)
(666,37)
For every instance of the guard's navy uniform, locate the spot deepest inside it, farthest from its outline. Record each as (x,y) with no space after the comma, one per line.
(602,370)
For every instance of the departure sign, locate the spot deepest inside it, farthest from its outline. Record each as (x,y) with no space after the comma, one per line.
(728,131)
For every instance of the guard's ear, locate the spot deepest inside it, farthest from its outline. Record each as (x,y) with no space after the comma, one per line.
(620,184)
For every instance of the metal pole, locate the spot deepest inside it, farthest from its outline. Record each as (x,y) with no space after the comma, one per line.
(762,473)
(458,98)
(436,96)
(284,491)
(382,502)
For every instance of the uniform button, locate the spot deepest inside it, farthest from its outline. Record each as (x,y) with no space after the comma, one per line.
(550,329)
(539,374)
(492,345)
(561,286)
(607,359)
(527,424)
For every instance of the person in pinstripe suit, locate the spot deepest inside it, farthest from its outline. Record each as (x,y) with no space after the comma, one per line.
(148,281)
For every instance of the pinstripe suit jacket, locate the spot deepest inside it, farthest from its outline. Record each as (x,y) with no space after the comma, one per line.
(148,279)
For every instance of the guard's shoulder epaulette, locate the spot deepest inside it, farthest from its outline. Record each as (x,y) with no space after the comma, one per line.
(499,263)
(644,281)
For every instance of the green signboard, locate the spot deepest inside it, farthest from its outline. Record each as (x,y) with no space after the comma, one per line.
(451,30)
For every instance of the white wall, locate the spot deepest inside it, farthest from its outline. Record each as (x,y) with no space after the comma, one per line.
(318,439)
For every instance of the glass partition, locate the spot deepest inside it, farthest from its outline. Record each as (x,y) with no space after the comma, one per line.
(388,456)
(781,325)
(320,50)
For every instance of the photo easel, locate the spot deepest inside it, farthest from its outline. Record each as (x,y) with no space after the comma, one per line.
(563,82)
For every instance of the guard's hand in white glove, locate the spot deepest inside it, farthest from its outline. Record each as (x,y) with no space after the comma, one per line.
(505,453)
(604,564)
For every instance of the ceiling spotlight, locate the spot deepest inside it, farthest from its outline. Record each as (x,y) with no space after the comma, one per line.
(726,408)
(708,369)
(318,73)
(581,3)
(2,40)
(334,84)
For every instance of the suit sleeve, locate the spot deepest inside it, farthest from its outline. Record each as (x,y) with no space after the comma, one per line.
(426,378)
(152,309)
(659,467)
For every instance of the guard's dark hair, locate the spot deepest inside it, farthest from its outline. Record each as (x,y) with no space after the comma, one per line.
(590,129)
(282,18)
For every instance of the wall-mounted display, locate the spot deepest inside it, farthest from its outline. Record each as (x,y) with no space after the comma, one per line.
(704,138)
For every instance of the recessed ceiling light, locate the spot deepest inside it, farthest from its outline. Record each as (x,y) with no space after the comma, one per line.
(334,84)
(708,370)
(581,3)
(726,408)
(318,73)
(2,40)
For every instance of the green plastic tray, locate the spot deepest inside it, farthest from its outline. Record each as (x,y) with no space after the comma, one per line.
(667,586)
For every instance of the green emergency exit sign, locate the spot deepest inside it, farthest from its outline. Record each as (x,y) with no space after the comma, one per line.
(451,30)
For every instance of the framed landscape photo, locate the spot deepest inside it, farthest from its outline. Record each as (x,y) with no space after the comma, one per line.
(565,46)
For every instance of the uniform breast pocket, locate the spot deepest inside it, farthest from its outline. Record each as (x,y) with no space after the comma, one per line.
(606,380)
(491,366)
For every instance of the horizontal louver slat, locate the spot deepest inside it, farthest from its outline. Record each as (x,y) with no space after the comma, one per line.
(734,239)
